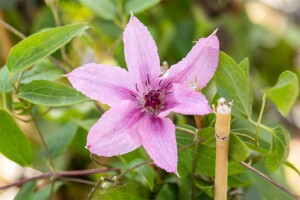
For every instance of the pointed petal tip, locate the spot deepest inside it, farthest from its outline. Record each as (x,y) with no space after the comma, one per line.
(215,32)
(177,174)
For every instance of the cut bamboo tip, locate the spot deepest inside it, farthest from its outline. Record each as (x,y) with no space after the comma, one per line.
(223,117)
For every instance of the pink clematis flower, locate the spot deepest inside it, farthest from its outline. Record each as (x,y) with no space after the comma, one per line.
(140,98)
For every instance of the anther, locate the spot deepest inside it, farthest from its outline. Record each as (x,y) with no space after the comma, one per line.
(136,87)
(148,78)
(168,93)
(168,85)
(159,82)
(133,95)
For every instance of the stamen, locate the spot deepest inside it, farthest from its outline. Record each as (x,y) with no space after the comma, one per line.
(159,82)
(136,87)
(133,95)
(148,78)
(146,82)
(168,85)
(168,93)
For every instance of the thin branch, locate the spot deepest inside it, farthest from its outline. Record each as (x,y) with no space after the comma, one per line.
(270,180)
(259,119)
(94,159)
(78,180)
(90,196)
(132,168)
(60,174)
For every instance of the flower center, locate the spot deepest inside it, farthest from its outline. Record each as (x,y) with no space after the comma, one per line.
(153,100)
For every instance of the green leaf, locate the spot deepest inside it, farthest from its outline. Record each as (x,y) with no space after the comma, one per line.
(285,92)
(14,144)
(145,171)
(47,93)
(248,137)
(290,165)
(42,70)
(128,191)
(102,8)
(26,191)
(62,139)
(5,85)
(137,6)
(205,187)
(87,123)
(208,136)
(232,85)
(165,193)
(205,156)
(40,45)
(238,150)
(280,149)
(44,193)
(244,65)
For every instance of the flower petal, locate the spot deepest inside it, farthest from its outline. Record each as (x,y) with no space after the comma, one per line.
(116,131)
(140,52)
(200,63)
(103,83)
(185,101)
(158,136)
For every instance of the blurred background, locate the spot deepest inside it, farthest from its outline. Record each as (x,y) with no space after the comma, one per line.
(265,31)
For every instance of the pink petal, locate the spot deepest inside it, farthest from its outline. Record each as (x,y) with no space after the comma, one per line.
(140,52)
(158,135)
(201,63)
(103,83)
(185,101)
(116,131)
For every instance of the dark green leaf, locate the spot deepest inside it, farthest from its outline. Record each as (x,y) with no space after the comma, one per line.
(280,149)
(137,6)
(238,150)
(248,137)
(102,8)
(47,93)
(232,85)
(165,193)
(128,191)
(244,65)
(44,193)
(62,139)
(14,144)
(208,136)
(26,191)
(145,171)
(43,70)
(285,92)
(40,45)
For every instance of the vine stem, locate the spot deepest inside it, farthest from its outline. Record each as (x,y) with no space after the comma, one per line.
(259,119)
(60,174)
(270,180)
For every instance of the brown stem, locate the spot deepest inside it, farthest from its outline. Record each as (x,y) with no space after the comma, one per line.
(270,180)
(60,174)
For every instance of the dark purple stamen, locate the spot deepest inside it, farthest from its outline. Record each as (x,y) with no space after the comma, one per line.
(148,78)
(168,85)
(168,93)
(159,82)
(133,95)
(152,99)
(136,87)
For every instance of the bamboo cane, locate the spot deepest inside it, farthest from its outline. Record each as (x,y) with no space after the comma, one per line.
(222,126)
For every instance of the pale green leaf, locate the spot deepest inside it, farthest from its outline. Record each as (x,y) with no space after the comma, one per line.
(14,143)
(137,6)
(42,70)
(102,8)
(60,141)
(293,167)
(5,84)
(244,65)
(47,93)
(232,84)
(238,150)
(285,92)
(280,149)
(26,191)
(40,45)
